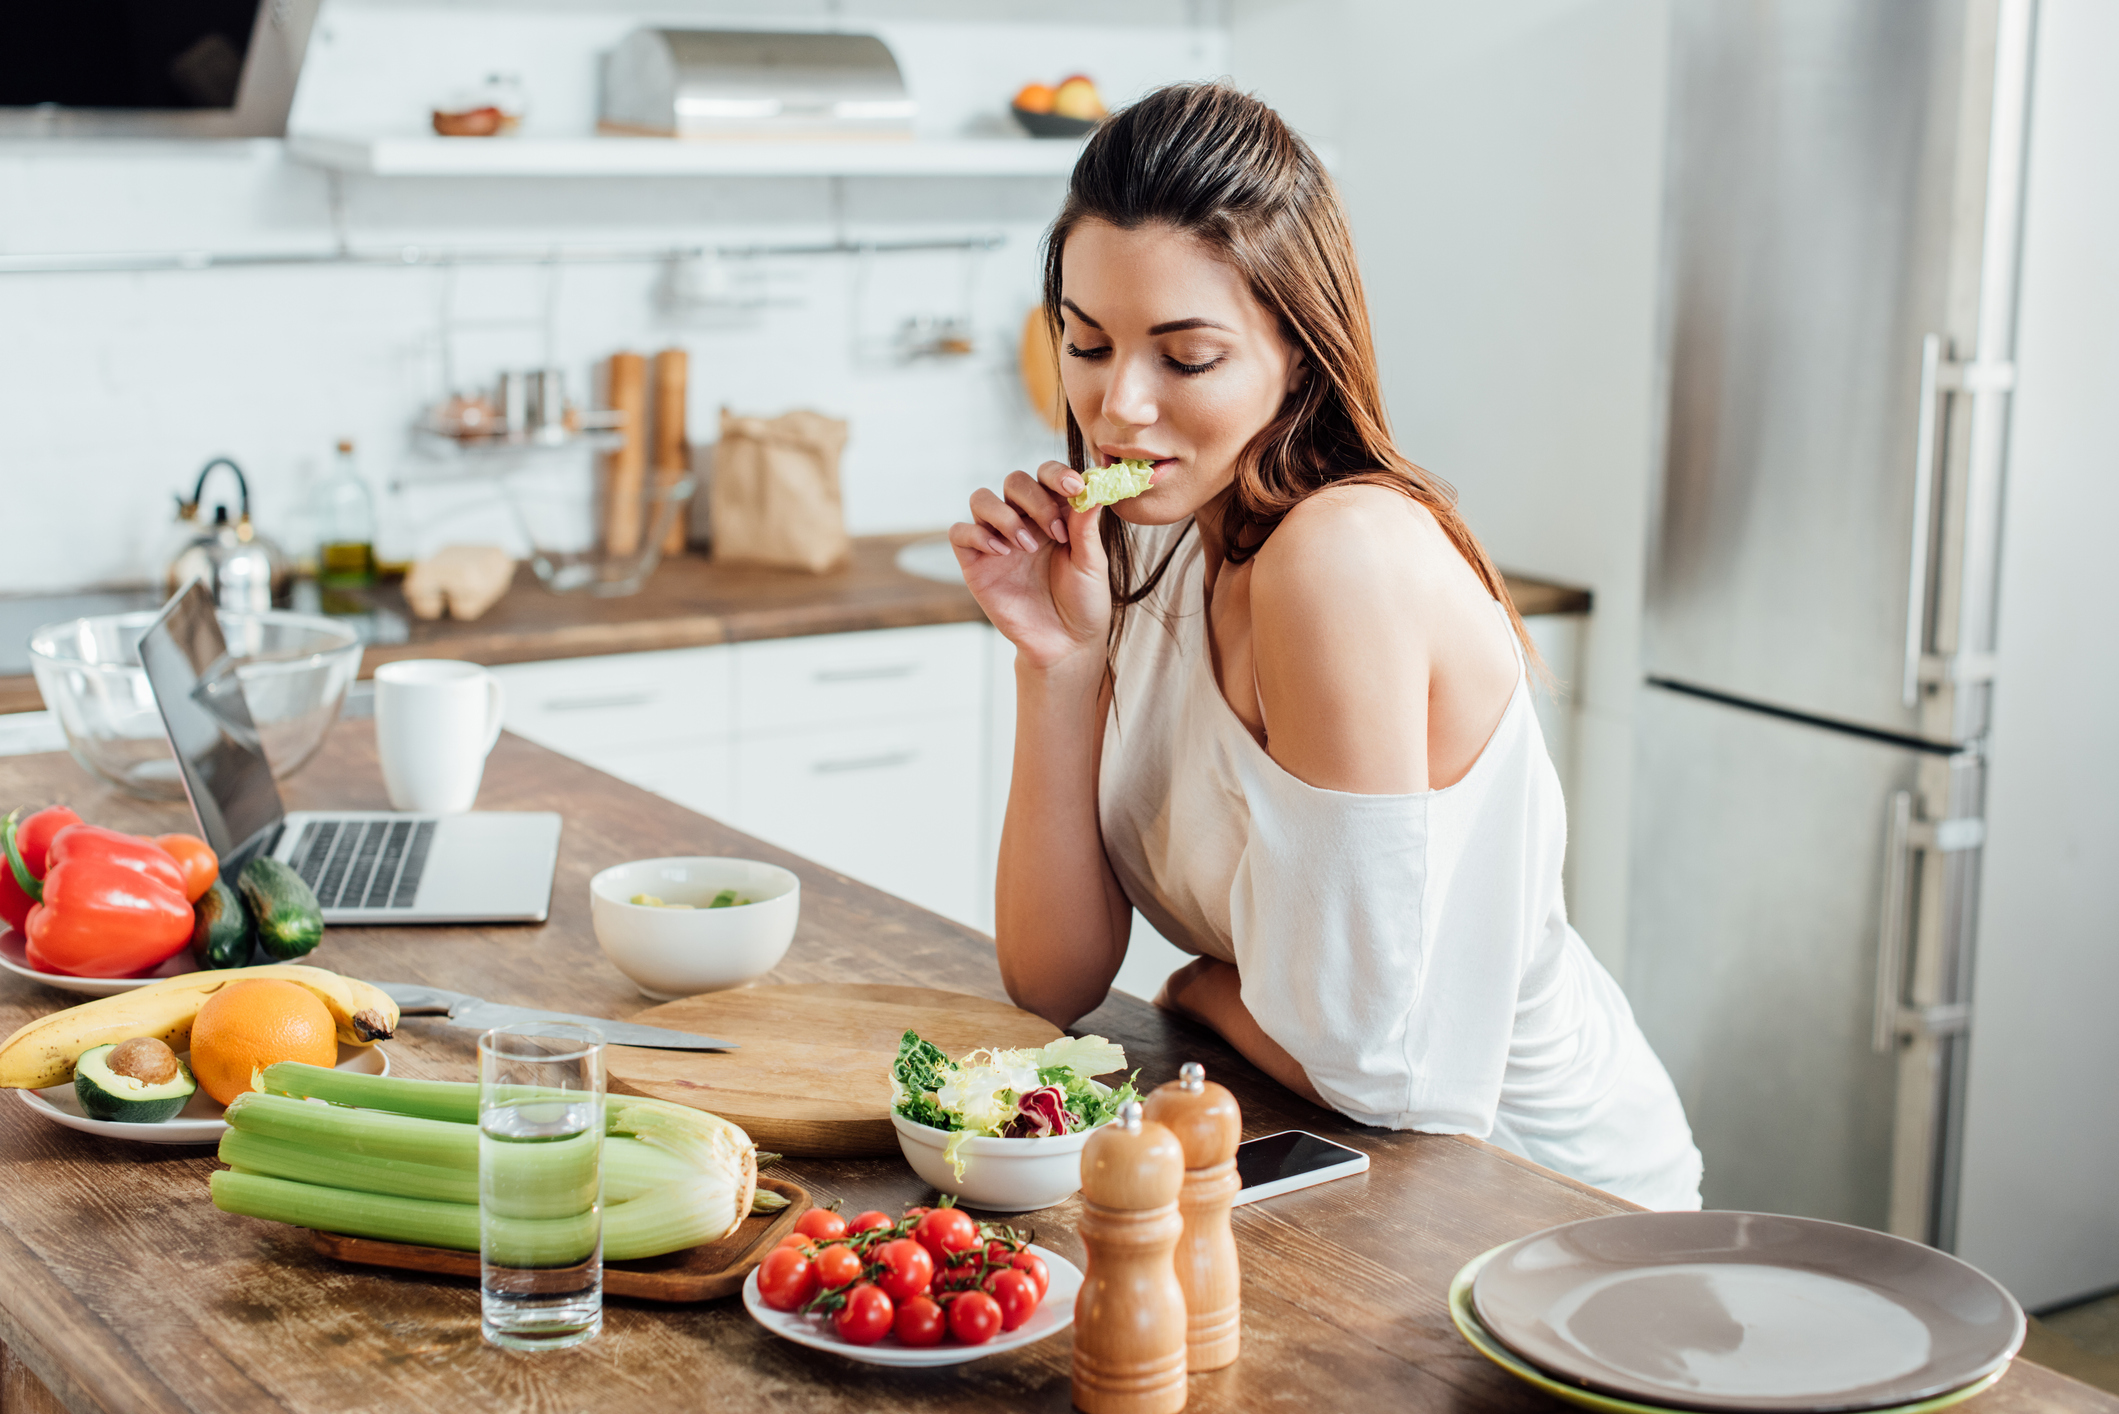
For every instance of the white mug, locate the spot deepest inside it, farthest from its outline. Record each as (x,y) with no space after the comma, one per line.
(435,720)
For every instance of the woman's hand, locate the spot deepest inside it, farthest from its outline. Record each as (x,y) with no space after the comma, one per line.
(1036,566)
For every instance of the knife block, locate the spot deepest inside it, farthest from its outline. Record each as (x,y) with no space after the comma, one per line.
(1129,1318)
(1207,1122)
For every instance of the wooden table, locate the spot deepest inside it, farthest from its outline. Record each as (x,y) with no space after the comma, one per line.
(123,1289)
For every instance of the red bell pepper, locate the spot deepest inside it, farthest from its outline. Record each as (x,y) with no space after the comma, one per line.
(109,904)
(33,837)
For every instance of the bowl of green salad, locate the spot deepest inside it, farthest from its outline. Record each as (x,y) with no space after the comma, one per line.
(694,923)
(1004,1130)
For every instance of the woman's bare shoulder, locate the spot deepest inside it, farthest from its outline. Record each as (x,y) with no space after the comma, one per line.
(1348,547)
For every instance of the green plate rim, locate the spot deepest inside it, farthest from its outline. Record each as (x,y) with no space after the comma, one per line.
(1475,1335)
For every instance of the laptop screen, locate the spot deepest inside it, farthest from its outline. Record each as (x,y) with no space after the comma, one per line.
(210,729)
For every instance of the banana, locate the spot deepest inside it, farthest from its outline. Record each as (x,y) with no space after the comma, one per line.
(43,1052)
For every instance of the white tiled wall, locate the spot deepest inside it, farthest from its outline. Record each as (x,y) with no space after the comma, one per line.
(116,388)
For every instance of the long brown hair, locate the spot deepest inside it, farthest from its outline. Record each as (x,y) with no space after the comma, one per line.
(1222,167)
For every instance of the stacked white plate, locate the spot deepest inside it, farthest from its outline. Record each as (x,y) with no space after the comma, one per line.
(1737,1313)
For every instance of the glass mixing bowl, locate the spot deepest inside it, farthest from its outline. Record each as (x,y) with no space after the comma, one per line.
(294,668)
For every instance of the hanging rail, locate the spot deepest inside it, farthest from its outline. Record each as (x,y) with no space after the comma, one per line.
(416,256)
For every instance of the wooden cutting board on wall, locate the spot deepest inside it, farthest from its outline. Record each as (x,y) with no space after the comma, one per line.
(813,1076)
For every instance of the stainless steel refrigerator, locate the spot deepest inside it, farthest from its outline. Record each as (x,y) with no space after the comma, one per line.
(1839,271)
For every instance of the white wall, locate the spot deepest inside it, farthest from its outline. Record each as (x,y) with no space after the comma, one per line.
(115,389)
(2039,1209)
(1502,163)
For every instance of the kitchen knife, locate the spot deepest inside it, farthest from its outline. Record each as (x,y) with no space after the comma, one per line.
(474,1014)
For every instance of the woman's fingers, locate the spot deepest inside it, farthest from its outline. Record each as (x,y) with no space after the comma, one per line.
(1015,530)
(1061,482)
(1037,504)
(971,541)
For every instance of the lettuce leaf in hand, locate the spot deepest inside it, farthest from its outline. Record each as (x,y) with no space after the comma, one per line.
(1120,481)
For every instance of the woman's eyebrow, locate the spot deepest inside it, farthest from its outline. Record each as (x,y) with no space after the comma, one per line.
(1079,314)
(1178,326)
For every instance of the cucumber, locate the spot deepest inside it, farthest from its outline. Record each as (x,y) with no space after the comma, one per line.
(221,931)
(289,922)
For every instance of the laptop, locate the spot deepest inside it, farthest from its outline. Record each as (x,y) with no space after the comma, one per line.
(366,866)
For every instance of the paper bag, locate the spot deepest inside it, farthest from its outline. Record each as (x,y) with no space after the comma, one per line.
(774,497)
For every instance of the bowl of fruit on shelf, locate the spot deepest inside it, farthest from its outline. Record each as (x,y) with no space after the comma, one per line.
(1072,108)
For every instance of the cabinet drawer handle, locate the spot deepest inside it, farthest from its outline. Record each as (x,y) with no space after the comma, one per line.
(582,704)
(881,670)
(865,763)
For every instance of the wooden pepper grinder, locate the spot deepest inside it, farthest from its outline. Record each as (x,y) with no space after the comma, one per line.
(1129,1318)
(1208,1125)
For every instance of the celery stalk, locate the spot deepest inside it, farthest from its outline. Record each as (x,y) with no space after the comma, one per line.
(373,1133)
(303,1163)
(455,1101)
(379,1215)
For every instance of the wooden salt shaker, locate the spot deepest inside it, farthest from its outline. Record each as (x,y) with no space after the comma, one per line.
(1129,1318)
(1208,1125)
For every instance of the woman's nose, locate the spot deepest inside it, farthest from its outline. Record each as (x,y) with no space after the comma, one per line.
(1129,399)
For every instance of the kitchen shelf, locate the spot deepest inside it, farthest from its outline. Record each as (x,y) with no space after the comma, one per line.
(672,157)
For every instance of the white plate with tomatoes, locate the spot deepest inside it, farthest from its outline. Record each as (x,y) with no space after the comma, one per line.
(914,1293)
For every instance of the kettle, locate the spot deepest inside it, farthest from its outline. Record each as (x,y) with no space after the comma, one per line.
(243,570)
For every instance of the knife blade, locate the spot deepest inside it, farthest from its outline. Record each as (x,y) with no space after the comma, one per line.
(475,1014)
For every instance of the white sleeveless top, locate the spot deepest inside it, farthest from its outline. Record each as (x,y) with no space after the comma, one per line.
(1412,952)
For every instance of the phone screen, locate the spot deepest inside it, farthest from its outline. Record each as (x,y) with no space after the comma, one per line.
(1289,1154)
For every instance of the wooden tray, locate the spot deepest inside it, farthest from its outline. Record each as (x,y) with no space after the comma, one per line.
(813,1076)
(703,1273)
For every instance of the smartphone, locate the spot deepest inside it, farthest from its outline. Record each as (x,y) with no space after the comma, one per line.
(1292,1159)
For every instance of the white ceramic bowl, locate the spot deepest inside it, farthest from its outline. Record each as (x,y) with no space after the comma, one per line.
(1000,1175)
(680,952)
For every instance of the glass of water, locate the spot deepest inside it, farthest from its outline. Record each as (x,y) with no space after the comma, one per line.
(540,1185)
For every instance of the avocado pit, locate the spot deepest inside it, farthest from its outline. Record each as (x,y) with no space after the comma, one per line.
(145,1059)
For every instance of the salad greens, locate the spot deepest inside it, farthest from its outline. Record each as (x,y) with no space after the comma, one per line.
(1016,1094)
(1120,481)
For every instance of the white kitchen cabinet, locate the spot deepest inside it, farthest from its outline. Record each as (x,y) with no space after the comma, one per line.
(697,775)
(866,752)
(894,804)
(834,678)
(586,707)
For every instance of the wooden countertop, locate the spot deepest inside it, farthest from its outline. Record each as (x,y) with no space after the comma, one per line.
(690,602)
(122,1289)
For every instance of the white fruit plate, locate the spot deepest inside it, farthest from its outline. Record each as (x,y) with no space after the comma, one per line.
(199,1122)
(14,957)
(1053,1315)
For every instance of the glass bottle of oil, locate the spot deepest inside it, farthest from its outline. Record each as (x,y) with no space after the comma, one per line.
(345,553)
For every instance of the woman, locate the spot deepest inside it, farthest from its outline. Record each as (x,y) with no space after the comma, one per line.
(1279,702)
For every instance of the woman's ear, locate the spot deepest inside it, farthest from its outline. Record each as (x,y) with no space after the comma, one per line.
(1298,375)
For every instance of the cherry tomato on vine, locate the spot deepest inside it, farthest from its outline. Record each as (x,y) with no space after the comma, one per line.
(867,1221)
(866,1317)
(907,1269)
(821,1224)
(974,1317)
(799,1242)
(918,1210)
(920,1322)
(787,1279)
(946,1231)
(1033,1266)
(837,1265)
(1015,1294)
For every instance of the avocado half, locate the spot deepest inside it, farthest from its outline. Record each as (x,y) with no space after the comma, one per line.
(107,1095)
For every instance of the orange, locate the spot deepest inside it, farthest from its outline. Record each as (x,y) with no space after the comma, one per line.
(1034,98)
(254,1023)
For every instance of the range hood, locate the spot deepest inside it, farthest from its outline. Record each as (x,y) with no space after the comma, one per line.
(172,68)
(697,83)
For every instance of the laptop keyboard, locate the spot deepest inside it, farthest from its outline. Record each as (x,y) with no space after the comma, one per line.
(363,863)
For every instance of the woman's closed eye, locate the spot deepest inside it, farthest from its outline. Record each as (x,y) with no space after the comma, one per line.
(1191,370)
(1073,351)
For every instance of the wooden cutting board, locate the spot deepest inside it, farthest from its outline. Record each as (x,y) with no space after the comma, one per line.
(813,1075)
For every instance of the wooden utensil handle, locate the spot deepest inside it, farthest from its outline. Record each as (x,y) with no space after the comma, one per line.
(626,474)
(671,457)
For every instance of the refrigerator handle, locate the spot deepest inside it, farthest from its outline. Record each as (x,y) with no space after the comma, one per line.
(1891,925)
(1923,515)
